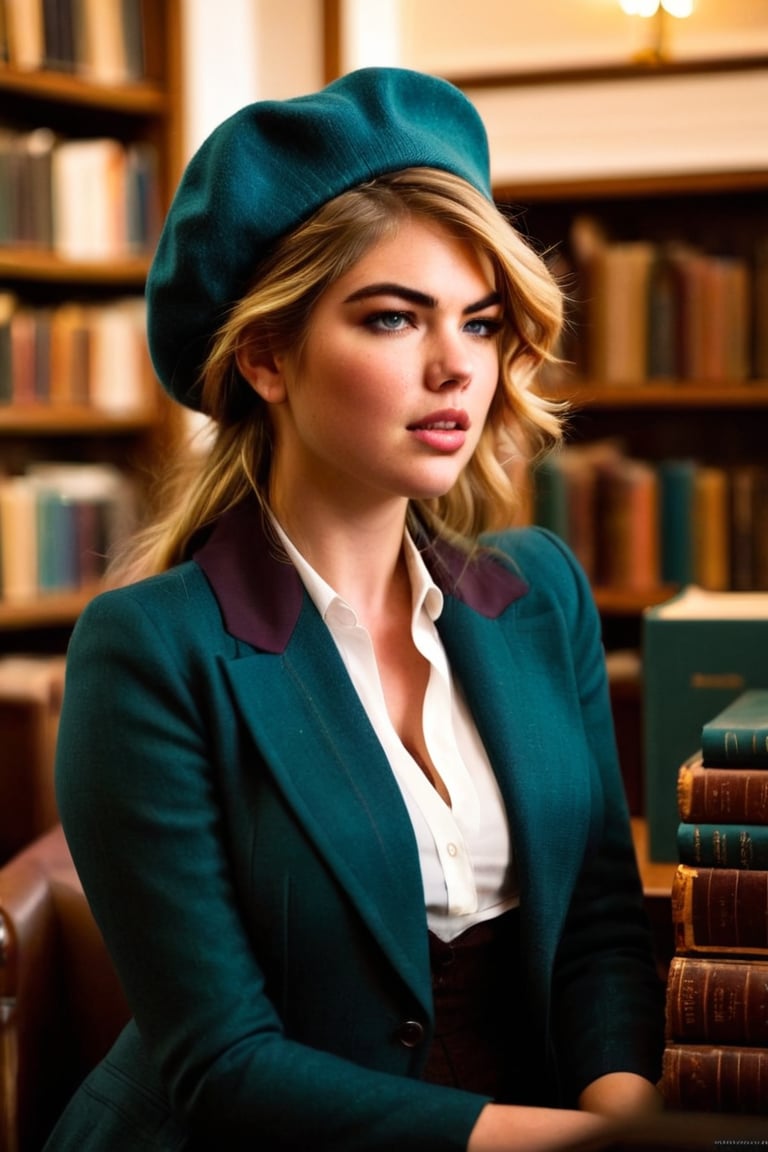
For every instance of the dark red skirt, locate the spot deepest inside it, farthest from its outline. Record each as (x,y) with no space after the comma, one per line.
(476,989)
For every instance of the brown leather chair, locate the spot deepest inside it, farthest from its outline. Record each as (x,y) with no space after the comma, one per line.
(31,689)
(61,1004)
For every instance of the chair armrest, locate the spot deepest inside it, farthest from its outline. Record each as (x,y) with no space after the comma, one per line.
(62,1004)
(27,970)
(9,1056)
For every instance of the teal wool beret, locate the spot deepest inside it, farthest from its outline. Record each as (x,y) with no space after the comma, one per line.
(267,169)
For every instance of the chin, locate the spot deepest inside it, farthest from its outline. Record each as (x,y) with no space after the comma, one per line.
(433,487)
(432,492)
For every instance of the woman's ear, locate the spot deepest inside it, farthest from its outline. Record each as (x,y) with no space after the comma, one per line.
(262,370)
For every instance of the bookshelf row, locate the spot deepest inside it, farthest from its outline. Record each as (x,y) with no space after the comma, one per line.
(668,395)
(639,524)
(94,198)
(668,310)
(59,522)
(102,41)
(75,354)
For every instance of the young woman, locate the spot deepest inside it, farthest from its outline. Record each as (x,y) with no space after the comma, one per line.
(336,764)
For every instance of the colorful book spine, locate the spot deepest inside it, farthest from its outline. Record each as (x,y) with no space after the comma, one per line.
(723,845)
(100,40)
(672,311)
(18,539)
(618,342)
(709,1078)
(712,565)
(8,305)
(59,524)
(738,735)
(677,485)
(636,523)
(720,910)
(627,509)
(78,354)
(717,1001)
(717,795)
(87,199)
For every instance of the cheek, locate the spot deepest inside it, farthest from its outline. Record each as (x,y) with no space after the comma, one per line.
(373,382)
(487,375)
(492,377)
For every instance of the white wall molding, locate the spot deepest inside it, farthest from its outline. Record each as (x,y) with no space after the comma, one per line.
(638,126)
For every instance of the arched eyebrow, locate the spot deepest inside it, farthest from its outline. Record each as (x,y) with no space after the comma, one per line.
(412,296)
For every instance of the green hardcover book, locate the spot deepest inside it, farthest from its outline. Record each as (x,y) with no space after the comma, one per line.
(700,651)
(723,845)
(551,497)
(738,736)
(677,480)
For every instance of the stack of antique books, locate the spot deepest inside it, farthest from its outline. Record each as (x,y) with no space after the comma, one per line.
(716,1054)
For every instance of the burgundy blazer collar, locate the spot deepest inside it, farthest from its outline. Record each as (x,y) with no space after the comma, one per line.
(260,592)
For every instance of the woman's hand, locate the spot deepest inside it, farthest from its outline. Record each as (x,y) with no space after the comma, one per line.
(515,1128)
(621,1094)
(606,1106)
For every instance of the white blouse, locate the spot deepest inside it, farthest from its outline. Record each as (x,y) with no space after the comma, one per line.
(465,847)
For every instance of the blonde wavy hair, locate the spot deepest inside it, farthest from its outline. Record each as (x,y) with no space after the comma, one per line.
(275,314)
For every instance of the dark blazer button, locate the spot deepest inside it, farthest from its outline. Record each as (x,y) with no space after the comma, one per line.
(410,1034)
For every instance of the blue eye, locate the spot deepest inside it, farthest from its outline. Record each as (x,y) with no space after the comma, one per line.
(388,321)
(483,326)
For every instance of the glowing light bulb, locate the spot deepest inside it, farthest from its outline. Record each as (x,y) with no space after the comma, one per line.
(640,7)
(647,8)
(679,8)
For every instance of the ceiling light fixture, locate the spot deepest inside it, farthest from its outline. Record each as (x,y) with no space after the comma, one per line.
(658,10)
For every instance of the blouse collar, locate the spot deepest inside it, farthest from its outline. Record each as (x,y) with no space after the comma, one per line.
(260,591)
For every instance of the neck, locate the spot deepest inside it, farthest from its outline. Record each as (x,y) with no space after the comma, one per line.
(359,554)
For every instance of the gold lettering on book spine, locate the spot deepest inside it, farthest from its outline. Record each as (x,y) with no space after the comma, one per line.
(717,680)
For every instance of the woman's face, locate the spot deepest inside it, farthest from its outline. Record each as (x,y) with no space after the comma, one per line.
(393,385)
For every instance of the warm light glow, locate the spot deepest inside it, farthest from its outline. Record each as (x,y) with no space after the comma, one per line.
(679,8)
(640,7)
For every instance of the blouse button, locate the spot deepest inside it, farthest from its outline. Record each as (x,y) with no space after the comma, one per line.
(452,850)
(410,1034)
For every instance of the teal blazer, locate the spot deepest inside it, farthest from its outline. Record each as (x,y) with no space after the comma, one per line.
(249,859)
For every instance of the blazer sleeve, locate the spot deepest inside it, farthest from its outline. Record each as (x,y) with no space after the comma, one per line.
(138,801)
(607,998)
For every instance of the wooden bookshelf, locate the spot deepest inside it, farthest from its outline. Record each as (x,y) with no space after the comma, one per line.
(148,97)
(29,266)
(719,423)
(657,877)
(718,210)
(137,110)
(630,601)
(49,610)
(73,420)
(682,394)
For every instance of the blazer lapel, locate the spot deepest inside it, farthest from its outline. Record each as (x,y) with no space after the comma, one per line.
(295,695)
(309,724)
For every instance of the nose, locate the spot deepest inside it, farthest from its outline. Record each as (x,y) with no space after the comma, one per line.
(449,363)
